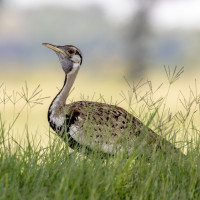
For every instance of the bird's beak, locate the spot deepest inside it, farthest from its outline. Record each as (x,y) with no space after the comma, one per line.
(55,48)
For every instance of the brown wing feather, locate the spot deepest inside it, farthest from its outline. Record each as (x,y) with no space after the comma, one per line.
(108,124)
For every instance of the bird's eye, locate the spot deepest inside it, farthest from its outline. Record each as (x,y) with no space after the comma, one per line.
(70,51)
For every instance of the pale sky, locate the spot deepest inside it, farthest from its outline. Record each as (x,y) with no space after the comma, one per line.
(168,13)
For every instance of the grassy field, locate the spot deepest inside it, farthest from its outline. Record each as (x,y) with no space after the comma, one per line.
(36,164)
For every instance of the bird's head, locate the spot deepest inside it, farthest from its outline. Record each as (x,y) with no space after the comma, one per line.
(70,56)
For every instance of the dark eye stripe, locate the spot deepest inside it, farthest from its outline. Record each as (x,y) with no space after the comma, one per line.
(77,53)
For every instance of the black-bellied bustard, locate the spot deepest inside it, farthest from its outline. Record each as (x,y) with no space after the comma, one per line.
(96,126)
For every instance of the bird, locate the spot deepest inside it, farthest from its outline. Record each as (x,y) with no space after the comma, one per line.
(93,125)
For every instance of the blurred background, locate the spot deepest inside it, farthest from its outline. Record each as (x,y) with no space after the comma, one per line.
(118,38)
(135,35)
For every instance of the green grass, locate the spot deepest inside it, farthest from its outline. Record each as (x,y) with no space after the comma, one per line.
(54,173)
(31,171)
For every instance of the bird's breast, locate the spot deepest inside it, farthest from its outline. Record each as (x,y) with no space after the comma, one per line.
(56,117)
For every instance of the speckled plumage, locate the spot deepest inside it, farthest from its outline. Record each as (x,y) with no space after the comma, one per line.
(96,126)
(106,128)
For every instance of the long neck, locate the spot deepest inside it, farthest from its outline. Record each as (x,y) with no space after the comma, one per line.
(56,112)
(61,97)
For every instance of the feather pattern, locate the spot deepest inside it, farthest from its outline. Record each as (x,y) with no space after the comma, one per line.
(103,127)
(96,126)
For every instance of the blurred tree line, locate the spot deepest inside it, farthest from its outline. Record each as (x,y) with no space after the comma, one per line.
(99,38)
(139,33)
